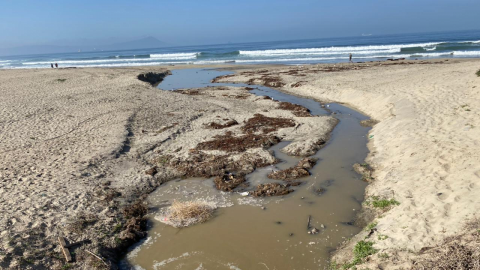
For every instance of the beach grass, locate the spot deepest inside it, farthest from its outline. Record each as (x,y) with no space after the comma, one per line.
(478,73)
(382,203)
(186,213)
(361,250)
(371,226)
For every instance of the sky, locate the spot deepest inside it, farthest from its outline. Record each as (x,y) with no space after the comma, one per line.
(195,22)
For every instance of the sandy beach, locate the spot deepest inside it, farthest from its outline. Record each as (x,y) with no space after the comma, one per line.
(81,148)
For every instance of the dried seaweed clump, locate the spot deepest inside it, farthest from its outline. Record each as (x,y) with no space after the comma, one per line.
(365,170)
(229,143)
(368,123)
(268,81)
(191,92)
(228,182)
(215,125)
(301,170)
(265,124)
(184,214)
(273,189)
(200,164)
(296,109)
(453,256)
(136,224)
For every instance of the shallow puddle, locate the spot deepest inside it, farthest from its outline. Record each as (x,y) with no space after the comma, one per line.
(266,233)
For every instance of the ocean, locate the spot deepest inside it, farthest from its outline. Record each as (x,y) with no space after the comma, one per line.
(365,47)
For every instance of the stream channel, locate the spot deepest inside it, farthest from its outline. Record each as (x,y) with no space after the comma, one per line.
(263,233)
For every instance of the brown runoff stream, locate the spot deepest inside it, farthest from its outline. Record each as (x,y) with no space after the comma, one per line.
(269,233)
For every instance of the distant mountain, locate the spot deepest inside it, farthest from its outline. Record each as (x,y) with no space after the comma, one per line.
(143,43)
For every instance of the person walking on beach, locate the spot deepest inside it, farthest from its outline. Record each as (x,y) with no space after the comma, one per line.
(56,65)
(51,64)
(351,58)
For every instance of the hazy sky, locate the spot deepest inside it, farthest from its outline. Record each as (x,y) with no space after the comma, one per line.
(188,22)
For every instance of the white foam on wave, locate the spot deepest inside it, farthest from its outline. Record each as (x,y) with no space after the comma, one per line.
(309,59)
(5,61)
(451,53)
(313,52)
(83,62)
(180,56)
(467,53)
(470,41)
(347,49)
(153,57)
(106,65)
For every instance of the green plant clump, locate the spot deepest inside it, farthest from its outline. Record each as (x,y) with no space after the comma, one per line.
(383,203)
(478,73)
(361,250)
(371,226)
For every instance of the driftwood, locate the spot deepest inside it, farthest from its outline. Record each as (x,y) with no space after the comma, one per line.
(308,222)
(64,246)
(96,256)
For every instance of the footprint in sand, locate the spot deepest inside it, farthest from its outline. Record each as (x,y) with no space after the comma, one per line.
(442,196)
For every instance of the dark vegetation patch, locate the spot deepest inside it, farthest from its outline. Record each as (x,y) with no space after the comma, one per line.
(153,78)
(229,143)
(319,191)
(368,123)
(268,81)
(265,124)
(460,251)
(228,181)
(478,73)
(273,189)
(296,109)
(229,123)
(200,164)
(240,96)
(152,171)
(81,222)
(110,194)
(190,92)
(297,84)
(217,88)
(365,170)
(453,256)
(219,78)
(166,127)
(131,228)
(301,170)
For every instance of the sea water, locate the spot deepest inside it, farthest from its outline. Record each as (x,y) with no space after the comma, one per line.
(458,44)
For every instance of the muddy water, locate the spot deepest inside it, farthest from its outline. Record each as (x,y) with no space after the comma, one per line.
(267,233)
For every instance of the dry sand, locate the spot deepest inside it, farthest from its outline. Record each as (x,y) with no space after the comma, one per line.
(76,144)
(424,150)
